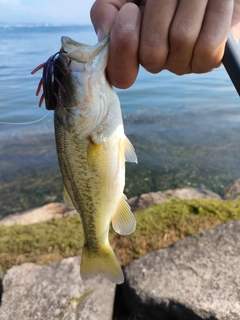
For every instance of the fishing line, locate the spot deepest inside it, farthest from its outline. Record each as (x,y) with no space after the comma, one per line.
(22,123)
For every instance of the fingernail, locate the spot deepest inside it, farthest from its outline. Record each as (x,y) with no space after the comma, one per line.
(129,17)
(100,35)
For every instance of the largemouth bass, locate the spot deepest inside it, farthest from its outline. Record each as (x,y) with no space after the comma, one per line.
(92,149)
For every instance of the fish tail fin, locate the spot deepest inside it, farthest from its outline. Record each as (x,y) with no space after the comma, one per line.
(103,262)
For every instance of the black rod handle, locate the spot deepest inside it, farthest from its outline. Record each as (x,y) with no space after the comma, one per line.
(231,62)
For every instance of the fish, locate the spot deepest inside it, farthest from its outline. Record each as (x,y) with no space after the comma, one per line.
(92,150)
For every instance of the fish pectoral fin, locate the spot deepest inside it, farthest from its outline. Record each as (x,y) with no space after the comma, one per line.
(129,152)
(124,222)
(102,262)
(67,198)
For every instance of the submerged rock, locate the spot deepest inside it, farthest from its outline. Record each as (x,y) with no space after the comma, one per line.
(59,210)
(145,200)
(196,278)
(232,191)
(192,193)
(49,211)
(55,291)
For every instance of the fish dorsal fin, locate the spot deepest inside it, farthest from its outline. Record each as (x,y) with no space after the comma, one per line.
(123,222)
(67,198)
(129,152)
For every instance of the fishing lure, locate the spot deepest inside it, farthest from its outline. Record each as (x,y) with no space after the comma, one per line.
(50,82)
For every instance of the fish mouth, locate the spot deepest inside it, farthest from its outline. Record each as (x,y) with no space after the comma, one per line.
(81,52)
(69,44)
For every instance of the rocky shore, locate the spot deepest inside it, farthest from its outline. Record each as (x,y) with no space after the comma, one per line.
(195,278)
(59,210)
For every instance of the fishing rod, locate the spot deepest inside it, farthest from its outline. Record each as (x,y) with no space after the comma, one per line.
(231,62)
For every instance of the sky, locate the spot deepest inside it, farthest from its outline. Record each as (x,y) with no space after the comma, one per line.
(45,11)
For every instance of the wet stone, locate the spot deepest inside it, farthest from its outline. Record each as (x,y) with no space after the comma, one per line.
(194,279)
(55,291)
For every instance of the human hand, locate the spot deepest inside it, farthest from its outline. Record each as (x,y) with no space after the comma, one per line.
(181,36)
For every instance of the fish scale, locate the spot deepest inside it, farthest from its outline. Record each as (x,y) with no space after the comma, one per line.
(92,149)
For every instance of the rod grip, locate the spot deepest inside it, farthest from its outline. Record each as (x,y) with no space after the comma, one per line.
(231,62)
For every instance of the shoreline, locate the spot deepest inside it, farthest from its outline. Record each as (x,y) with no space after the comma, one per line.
(58,210)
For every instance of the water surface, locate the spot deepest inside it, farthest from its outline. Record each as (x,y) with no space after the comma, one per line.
(185,129)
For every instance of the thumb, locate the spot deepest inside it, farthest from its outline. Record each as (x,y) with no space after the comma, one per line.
(103,14)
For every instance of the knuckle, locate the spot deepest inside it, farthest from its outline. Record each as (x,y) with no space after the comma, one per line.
(181,43)
(207,56)
(153,58)
(202,66)
(181,37)
(96,11)
(179,72)
(205,46)
(178,69)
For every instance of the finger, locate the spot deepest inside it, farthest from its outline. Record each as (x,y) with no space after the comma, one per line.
(210,44)
(183,34)
(103,13)
(123,63)
(156,20)
(235,24)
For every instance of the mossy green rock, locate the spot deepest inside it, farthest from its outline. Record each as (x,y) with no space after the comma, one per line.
(157,227)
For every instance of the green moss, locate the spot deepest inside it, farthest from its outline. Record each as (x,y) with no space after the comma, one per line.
(42,242)
(158,217)
(157,227)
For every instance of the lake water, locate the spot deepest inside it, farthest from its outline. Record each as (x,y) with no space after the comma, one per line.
(185,129)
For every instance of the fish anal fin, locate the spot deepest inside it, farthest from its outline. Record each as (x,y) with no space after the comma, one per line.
(67,198)
(129,152)
(103,262)
(123,222)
